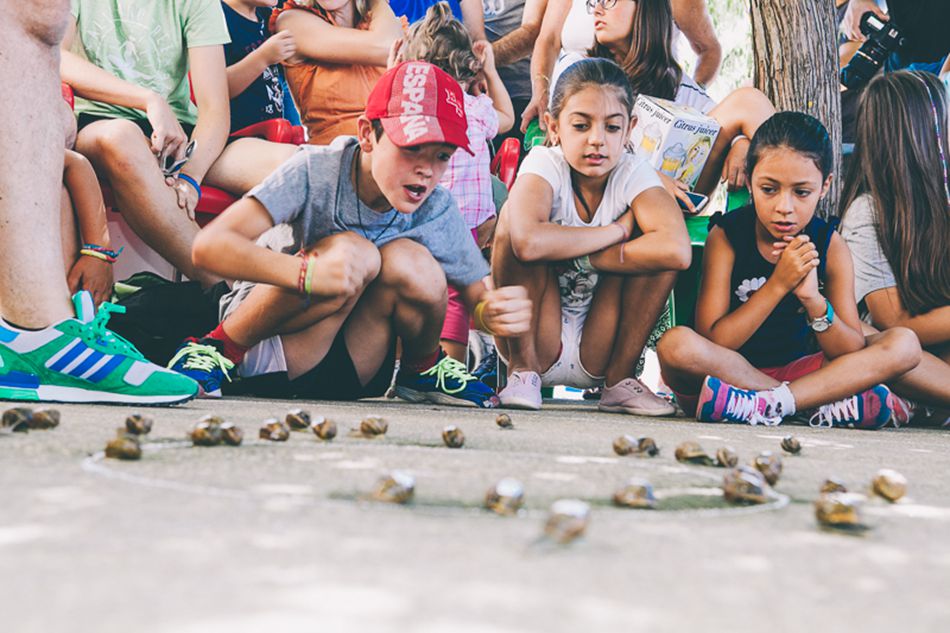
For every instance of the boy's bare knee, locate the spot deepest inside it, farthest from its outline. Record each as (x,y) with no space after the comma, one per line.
(410,268)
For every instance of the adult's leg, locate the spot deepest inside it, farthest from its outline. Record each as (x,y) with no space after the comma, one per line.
(742,112)
(120,152)
(33,292)
(625,309)
(538,349)
(246,162)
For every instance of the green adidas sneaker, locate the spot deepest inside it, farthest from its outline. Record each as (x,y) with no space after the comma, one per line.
(80,360)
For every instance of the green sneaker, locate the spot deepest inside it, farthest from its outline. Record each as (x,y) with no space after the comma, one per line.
(80,360)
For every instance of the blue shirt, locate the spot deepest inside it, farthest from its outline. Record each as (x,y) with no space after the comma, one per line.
(264,98)
(416,9)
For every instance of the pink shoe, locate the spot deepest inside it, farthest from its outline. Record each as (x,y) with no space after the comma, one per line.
(523,391)
(902,410)
(631,396)
(721,402)
(870,410)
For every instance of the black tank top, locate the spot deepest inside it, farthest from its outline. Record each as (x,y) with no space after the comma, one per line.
(785,335)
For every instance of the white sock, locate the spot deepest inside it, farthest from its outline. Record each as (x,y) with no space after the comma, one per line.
(780,399)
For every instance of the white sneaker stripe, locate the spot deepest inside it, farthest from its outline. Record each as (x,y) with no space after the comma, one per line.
(55,357)
(89,372)
(77,361)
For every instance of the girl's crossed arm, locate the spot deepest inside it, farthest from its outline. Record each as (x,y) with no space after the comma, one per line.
(662,245)
(535,238)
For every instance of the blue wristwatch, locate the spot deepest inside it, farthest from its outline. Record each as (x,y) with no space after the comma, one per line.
(823,322)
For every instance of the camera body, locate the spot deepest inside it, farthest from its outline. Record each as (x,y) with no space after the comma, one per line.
(883,39)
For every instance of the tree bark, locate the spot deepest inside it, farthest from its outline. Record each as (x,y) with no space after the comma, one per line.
(795,56)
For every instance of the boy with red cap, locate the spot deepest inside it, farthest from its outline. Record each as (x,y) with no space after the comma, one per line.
(363,241)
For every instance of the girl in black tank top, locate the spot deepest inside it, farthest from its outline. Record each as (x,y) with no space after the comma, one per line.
(777,328)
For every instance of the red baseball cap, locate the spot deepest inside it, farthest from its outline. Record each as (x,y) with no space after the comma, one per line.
(418,103)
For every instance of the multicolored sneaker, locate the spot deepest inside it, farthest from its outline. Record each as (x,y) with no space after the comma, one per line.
(80,360)
(487,369)
(446,382)
(868,410)
(902,410)
(203,362)
(721,402)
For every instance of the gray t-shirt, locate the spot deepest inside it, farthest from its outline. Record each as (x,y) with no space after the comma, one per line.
(871,269)
(501,18)
(313,195)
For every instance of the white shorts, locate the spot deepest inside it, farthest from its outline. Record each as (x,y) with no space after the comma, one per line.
(568,370)
(267,357)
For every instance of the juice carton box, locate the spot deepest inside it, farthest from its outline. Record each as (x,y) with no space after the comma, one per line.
(674,139)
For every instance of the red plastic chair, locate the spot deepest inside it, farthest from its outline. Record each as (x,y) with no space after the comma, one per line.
(505,163)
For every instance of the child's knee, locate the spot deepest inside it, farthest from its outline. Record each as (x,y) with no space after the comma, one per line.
(901,347)
(410,269)
(677,347)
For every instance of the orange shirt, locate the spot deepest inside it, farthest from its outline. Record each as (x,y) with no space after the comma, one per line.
(330,97)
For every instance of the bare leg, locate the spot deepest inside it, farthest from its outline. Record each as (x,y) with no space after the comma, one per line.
(69,231)
(119,151)
(539,349)
(33,292)
(928,383)
(454,349)
(246,162)
(686,358)
(624,312)
(742,112)
(407,300)
(308,329)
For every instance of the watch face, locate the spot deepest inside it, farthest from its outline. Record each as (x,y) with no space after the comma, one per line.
(820,325)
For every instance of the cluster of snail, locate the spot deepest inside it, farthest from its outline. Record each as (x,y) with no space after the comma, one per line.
(836,507)
(127,443)
(24,419)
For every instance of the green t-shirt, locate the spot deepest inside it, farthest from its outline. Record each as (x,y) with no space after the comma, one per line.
(146,42)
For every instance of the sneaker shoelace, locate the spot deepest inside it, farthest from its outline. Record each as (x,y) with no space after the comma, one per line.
(742,406)
(96,331)
(448,367)
(841,411)
(203,358)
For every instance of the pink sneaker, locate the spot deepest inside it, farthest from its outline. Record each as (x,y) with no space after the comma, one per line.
(869,410)
(902,410)
(631,396)
(721,402)
(523,391)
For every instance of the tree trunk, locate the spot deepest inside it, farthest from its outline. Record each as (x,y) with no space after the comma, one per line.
(796,65)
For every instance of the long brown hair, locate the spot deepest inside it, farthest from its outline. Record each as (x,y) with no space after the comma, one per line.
(900,160)
(649,63)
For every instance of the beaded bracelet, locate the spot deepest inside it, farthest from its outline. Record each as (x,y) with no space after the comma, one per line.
(100,252)
(305,277)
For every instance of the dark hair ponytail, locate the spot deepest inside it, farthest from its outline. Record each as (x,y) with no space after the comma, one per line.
(797,131)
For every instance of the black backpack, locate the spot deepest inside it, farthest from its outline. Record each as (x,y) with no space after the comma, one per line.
(161,314)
